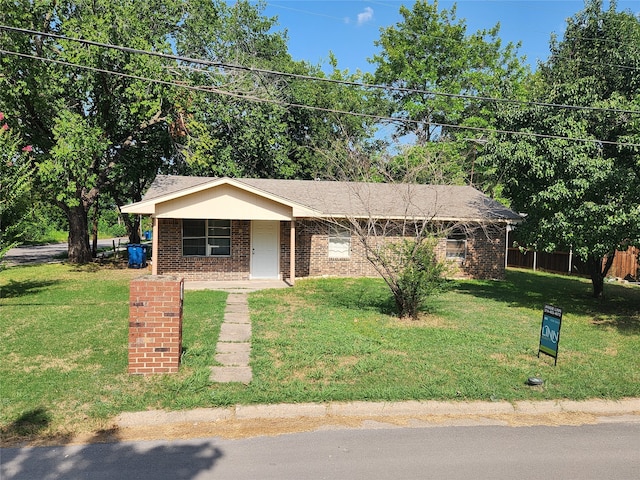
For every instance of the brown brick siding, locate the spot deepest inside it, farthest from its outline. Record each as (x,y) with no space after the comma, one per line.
(172,262)
(155,324)
(485,254)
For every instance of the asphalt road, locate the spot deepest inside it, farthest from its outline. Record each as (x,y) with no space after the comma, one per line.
(30,255)
(604,451)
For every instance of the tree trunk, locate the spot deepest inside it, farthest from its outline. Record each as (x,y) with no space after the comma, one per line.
(94,229)
(79,251)
(132,222)
(598,269)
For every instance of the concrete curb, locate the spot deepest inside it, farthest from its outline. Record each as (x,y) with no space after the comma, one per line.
(629,408)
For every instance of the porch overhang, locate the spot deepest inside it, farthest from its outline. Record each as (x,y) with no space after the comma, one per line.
(224,198)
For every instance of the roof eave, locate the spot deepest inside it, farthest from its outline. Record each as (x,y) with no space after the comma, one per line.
(148,207)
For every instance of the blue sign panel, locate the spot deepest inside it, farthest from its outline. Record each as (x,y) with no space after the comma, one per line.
(550,331)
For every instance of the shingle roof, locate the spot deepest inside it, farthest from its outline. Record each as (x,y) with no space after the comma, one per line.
(360,199)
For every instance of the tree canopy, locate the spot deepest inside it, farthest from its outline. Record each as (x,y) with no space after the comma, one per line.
(14,183)
(440,72)
(581,191)
(104,117)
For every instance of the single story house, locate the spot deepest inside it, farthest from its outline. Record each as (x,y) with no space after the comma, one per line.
(208,228)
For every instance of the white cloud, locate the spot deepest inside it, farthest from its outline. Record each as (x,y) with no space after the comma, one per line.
(365,16)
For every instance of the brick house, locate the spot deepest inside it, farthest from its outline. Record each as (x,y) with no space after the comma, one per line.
(240,229)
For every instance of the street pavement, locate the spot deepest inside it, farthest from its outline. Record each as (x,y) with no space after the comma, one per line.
(604,452)
(34,254)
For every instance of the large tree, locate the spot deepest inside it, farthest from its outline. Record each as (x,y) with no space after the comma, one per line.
(279,118)
(440,70)
(103,129)
(87,125)
(581,191)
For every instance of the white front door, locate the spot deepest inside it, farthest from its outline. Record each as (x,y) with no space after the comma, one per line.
(264,248)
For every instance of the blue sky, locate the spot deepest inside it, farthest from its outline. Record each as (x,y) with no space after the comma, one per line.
(349,28)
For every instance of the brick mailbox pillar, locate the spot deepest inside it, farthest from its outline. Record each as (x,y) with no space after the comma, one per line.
(155,324)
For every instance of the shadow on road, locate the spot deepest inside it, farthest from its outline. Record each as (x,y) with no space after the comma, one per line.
(139,460)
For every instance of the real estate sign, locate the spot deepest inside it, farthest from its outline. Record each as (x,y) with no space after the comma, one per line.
(550,331)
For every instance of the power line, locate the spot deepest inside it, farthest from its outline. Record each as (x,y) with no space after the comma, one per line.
(387,88)
(251,98)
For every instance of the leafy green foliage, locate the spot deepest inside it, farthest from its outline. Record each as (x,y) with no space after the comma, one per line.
(15,184)
(414,273)
(442,70)
(90,129)
(103,132)
(582,192)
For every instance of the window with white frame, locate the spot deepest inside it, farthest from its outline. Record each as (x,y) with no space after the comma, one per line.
(339,242)
(457,246)
(211,238)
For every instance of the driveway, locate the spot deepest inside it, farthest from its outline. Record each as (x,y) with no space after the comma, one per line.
(54,252)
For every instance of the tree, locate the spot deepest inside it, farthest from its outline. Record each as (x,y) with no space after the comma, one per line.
(262,130)
(402,250)
(581,191)
(15,177)
(109,124)
(440,72)
(409,266)
(86,124)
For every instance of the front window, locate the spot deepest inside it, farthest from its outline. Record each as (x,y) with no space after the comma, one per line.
(339,242)
(457,247)
(211,238)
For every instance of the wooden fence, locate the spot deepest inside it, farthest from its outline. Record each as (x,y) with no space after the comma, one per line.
(624,263)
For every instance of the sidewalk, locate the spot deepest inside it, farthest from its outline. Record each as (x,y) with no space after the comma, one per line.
(599,411)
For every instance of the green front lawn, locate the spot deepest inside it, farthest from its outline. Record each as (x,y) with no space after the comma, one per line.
(64,346)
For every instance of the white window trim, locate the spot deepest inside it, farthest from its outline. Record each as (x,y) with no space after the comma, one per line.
(339,243)
(457,238)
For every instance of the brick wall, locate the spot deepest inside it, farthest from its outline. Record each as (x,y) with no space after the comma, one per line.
(485,254)
(155,324)
(171,261)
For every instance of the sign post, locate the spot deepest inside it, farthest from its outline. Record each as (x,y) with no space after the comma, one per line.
(550,332)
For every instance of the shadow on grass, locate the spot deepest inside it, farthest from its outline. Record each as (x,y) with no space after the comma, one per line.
(30,424)
(16,289)
(620,308)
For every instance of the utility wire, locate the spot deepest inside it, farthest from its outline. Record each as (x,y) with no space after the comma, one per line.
(387,88)
(216,91)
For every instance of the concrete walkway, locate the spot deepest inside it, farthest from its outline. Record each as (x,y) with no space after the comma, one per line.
(233,349)
(240,286)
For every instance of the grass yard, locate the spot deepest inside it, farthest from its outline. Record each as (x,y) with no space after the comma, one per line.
(64,346)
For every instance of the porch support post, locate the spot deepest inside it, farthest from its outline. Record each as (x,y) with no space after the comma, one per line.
(292,252)
(506,246)
(154,246)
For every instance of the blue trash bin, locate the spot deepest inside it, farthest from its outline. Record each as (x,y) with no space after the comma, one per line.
(137,255)
(147,234)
